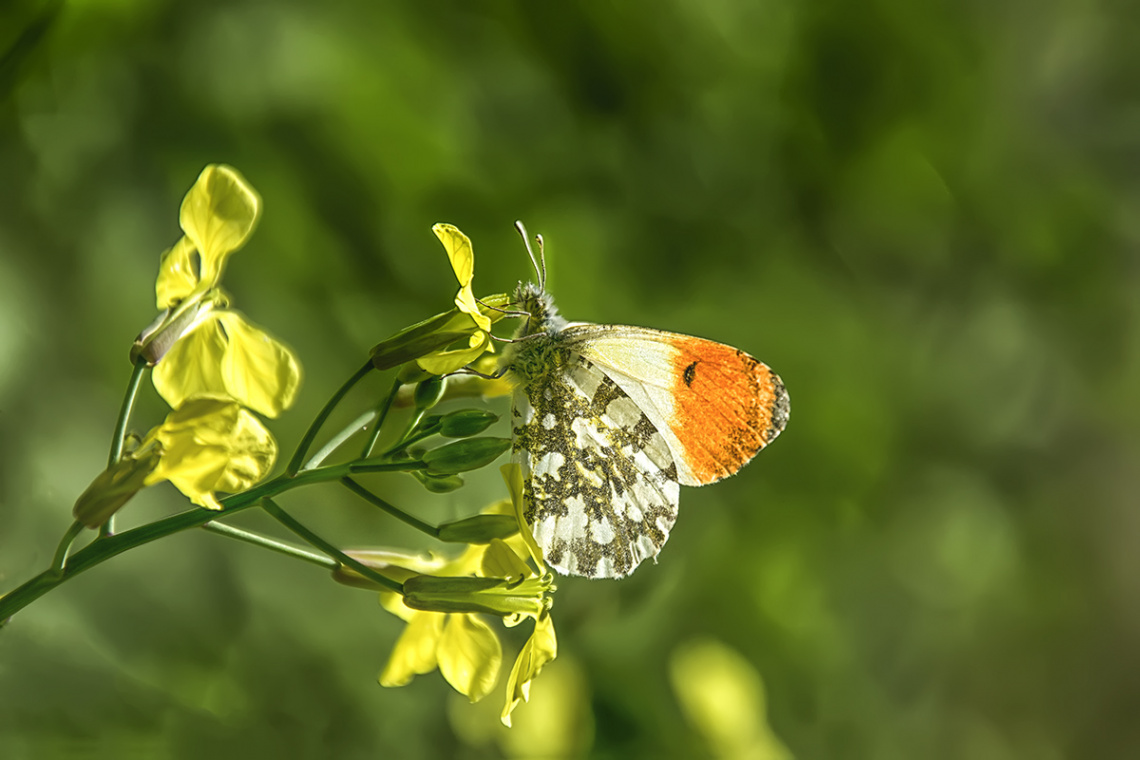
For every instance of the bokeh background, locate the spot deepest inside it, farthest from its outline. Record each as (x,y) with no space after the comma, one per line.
(922,215)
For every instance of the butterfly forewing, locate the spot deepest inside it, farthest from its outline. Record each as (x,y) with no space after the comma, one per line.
(714,405)
(601,487)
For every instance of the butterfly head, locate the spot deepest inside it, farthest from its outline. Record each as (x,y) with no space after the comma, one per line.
(542,315)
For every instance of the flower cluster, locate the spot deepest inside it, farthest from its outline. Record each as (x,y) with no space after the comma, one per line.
(209,363)
(218,371)
(444,601)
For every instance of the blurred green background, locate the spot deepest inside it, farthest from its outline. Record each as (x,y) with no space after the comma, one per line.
(922,215)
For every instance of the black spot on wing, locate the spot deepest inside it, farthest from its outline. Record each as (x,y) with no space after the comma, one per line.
(690,374)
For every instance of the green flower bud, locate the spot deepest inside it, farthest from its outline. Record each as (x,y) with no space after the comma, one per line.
(480,529)
(466,422)
(410,374)
(493,596)
(429,392)
(115,486)
(394,564)
(464,456)
(440,483)
(433,334)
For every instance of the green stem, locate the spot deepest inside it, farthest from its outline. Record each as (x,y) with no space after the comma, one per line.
(64,547)
(404,444)
(404,465)
(283,517)
(311,434)
(406,439)
(383,415)
(334,443)
(104,549)
(396,512)
(265,542)
(120,434)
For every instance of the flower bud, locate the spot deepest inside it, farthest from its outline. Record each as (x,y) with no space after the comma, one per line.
(429,391)
(432,334)
(466,422)
(493,596)
(480,529)
(440,483)
(397,565)
(115,486)
(464,456)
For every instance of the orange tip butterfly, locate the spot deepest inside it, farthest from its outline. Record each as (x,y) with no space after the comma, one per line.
(609,421)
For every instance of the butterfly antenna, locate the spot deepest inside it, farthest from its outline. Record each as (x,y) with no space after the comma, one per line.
(540,272)
(542,261)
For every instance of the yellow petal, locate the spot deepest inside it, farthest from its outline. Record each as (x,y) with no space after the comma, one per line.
(470,656)
(512,474)
(465,300)
(256,369)
(415,651)
(252,450)
(213,444)
(540,648)
(218,215)
(458,247)
(193,366)
(444,362)
(177,274)
(462,257)
(500,561)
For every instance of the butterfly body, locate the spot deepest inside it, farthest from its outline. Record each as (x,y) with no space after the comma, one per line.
(609,421)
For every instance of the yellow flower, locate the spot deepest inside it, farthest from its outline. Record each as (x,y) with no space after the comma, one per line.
(443,629)
(429,342)
(227,355)
(208,444)
(463,647)
(211,444)
(470,318)
(540,648)
(198,345)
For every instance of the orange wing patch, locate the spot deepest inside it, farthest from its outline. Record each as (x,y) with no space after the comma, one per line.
(726,407)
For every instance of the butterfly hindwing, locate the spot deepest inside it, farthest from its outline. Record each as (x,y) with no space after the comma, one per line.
(714,405)
(601,487)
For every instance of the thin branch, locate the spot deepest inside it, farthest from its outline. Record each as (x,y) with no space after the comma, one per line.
(311,434)
(396,512)
(256,539)
(283,517)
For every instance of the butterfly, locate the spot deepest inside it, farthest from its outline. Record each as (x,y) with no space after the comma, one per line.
(609,421)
